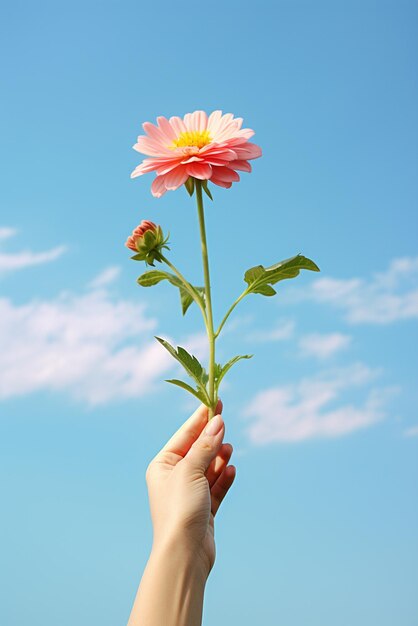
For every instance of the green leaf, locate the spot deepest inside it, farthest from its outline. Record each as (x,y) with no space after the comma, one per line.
(217,369)
(259,279)
(186,298)
(189,184)
(196,392)
(221,370)
(205,377)
(190,364)
(265,290)
(206,188)
(254,273)
(153,277)
(290,268)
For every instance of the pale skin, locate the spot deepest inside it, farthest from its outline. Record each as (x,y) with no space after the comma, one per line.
(187,482)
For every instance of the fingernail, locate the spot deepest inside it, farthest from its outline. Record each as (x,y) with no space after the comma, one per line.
(214,425)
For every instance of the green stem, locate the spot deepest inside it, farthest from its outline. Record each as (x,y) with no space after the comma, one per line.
(196,297)
(231,308)
(209,325)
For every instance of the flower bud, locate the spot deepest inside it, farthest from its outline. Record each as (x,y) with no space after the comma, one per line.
(147,240)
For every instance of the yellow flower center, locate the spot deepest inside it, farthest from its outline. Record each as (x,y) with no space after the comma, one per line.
(195,138)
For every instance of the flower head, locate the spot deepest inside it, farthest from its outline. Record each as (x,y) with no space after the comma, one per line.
(147,241)
(205,147)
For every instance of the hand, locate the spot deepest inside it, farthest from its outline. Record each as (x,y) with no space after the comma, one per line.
(187,481)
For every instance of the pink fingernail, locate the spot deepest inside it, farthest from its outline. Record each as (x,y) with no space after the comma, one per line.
(214,425)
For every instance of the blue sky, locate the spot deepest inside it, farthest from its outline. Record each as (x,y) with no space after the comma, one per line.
(321,525)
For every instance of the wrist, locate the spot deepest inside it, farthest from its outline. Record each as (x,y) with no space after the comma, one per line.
(180,552)
(172,588)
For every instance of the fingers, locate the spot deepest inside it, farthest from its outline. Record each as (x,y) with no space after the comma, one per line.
(181,442)
(206,447)
(221,487)
(218,464)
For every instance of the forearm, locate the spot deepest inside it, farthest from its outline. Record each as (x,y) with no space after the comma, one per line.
(171,589)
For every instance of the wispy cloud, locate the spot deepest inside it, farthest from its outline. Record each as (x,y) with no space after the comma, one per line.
(280,331)
(11,261)
(105,278)
(92,346)
(384,298)
(323,346)
(301,411)
(411,432)
(6,232)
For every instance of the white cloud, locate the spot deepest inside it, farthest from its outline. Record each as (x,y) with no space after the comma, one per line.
(18,260)
(92,346)
(6,232)
(282,330)
(323,346)
(300,411)
(411,432)
(384,298)
(108,276)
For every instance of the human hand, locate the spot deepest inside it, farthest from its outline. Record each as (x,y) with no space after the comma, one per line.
(187,481)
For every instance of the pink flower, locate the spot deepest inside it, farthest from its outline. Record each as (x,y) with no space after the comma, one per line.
(209,148)
(147,241)
(138,234)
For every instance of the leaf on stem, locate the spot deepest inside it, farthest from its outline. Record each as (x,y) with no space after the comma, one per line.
(259,278)
(195,392)
(191,365)
(153,277)
(189,184)
(206,189)
(148,279)
(221,370)
(186,298)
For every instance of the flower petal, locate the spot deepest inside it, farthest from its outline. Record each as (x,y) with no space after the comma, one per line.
(149,146)
(248,151)
(174,179)
(192,159)
(215,161)
(202,120)
(220,152)
(158,188)
(155,133)
(222,125)
(166,128)
(196,122)
(139,171)
(178,125)
(246,132)
(220,183)
(225,174)
(244,166)
(199,170)
(236,141)
(213,121)
(167,167)
(147,165)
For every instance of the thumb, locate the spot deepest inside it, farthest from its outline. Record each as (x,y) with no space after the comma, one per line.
(207,446)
